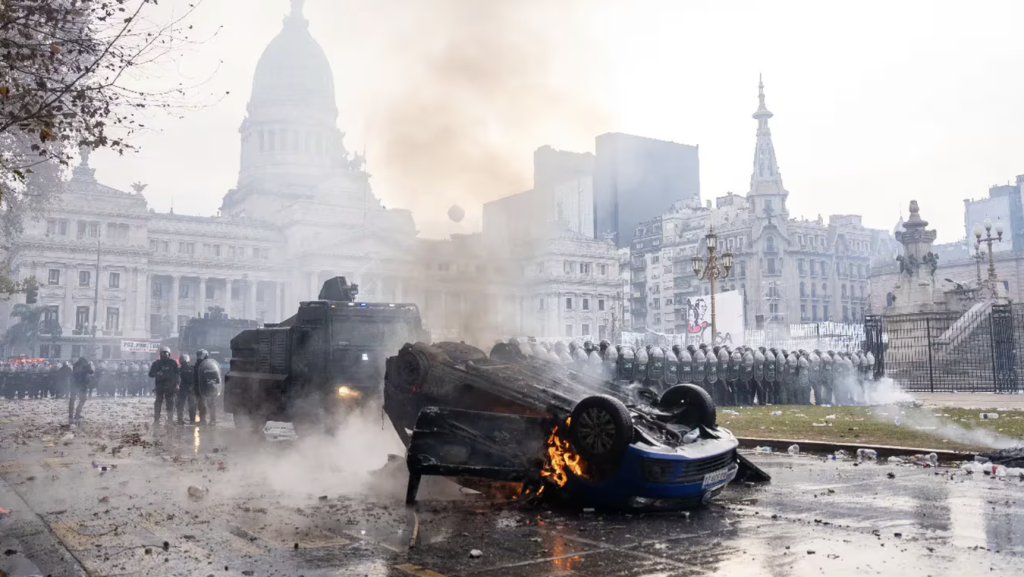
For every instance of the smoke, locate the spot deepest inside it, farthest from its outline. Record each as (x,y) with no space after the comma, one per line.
(466,90)
(927,421)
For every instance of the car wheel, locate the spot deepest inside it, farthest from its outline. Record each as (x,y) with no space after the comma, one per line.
(693,404)
(601,428)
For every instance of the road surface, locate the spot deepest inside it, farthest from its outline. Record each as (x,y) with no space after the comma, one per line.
(316,507)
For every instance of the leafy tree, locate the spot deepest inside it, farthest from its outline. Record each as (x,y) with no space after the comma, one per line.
(29,329)
(68,79)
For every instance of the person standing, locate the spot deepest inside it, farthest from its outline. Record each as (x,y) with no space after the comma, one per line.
(165,371)
(207,382)
(80,377)
(186,391)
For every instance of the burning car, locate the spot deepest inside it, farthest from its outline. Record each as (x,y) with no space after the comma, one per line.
(521,418)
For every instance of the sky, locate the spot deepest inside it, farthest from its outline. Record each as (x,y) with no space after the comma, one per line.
(876,103)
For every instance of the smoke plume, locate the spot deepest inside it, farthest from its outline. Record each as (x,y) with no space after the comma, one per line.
(467,90)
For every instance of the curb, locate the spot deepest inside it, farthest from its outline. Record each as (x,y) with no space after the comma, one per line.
(824,448)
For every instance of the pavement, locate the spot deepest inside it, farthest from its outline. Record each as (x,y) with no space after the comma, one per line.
(317,507)
(1008,402)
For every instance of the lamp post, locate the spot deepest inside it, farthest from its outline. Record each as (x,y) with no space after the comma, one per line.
(989,239)
(710,270)
(977,259)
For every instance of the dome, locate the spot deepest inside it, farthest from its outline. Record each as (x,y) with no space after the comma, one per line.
(294,70)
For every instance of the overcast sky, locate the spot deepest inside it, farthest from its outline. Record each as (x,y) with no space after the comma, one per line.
(876,103)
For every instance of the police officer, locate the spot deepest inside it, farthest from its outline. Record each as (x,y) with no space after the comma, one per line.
(80,376)
(165,372)
(207,381)
(62,379)
(186,391)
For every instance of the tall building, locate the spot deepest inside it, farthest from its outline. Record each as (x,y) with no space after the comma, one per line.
(637,178)
(1004,204)
(113,270)
(789,270)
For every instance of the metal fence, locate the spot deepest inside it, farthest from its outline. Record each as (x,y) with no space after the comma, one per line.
(974,351)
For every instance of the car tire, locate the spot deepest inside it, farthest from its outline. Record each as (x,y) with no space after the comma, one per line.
(698,406)
(601,428)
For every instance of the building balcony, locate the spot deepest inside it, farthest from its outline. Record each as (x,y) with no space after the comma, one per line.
(772,273)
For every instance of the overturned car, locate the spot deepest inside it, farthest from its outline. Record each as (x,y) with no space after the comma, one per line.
(574,434)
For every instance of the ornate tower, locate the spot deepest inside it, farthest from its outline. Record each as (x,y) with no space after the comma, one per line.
(767,195)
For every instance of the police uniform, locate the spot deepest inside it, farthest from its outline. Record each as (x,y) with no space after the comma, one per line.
(165,372)
(207,381)
(186,392)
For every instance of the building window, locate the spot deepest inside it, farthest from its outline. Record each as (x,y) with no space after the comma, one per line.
(657,303)
(600,304)
(158,289)
(567,267)
(585,330)
(84,278)
(770,242)
(106,352)
(568,303)
(187,248)
(236,292)
(771,266)
(655,259)
(743,268)
(113,319)
(81,318)
(154,245)
(602,269)
(800,265)
(49,351)
(51,314)
(814,289)
(115,280)
(55,227)
(117,232)
(844,293)
(803,289)
(540,304)
(814,313)
(183,290)
(53,277)
(586,304)
(568,331)
(803,312)
(824,313)
(585,268)
(211,291)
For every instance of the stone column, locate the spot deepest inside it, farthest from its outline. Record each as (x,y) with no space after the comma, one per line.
(201,297)
(250,299)
(147,299)
(69,303)
(175,287)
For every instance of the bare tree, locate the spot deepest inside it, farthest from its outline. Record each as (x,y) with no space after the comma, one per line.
(67,70)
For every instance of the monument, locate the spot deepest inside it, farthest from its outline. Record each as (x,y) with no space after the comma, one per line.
(915,289)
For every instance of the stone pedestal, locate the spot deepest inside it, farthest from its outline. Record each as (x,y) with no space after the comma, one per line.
(917,290)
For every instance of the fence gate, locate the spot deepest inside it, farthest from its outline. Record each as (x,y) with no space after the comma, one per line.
(873,342)
(1004,349)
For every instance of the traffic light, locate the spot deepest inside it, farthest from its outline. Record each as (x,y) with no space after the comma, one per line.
(31,294)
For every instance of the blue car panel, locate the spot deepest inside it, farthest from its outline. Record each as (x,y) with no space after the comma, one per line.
(691,473)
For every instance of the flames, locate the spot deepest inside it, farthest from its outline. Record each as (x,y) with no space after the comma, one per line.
(561,459)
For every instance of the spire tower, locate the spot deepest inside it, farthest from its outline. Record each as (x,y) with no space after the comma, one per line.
(766,178)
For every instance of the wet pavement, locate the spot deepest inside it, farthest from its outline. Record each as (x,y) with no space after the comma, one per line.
(316,507)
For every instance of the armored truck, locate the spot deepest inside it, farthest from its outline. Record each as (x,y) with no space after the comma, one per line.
(317,365)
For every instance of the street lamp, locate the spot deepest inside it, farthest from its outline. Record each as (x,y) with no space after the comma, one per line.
(989,239)
(711,271)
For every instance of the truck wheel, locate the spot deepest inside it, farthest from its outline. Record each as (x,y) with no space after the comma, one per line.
(601,428)
(692,404)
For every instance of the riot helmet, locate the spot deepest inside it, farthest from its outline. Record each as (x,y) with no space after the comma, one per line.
(165,353)
(202,355)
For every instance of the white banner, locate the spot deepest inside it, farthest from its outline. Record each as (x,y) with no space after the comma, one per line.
(139,347)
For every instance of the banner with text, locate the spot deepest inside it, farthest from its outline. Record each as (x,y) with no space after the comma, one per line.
(139,347)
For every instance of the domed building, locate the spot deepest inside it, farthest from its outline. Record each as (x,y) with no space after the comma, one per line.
(302,211)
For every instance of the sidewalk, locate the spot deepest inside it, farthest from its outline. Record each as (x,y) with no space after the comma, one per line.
(972,400)
(29,548)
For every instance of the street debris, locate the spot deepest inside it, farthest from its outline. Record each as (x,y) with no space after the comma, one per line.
(197,492)
(793,450)
(476,554)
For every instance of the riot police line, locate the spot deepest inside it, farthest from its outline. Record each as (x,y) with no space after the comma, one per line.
(51,379)
(731,375)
